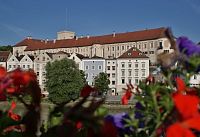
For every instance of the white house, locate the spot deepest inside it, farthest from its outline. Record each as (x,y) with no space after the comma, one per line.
(132,67)
(111,70)
(39,68)
(195,80)
(78,59)
(14,62)
(27,62)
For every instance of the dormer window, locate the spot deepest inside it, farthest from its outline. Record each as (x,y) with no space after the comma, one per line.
(129,54)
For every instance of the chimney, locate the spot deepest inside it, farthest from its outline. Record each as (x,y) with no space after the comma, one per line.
(46,41)
(29,37)
(81,36)
(54,41)
(76,37)
(88,36)
(114,34)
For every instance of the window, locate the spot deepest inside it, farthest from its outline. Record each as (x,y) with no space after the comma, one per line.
(100,67)
(129,72)
(123,64)
(123,73)
(143,65)
(28,66)
(143,73)
(13,60)
(86,75)
(18,66)
(108,67)
(166,51)
(25,59)
(151,44)
(113,75)
(127,47)
(9,66)
(122,47)
(123,81)
(13,66)
(151,52)
(108,62)
(23,66)
(136,81)
(136,72)
(92,67)
(86,67)
(108,75)
(113,67)
(43,59)
(113,48)
(160,45)
(129,54)
(129,80)
(195,76)
(117,47)
(136,65)
(145,46)
(43,73)
(37,73)
(129,64)
(113,82)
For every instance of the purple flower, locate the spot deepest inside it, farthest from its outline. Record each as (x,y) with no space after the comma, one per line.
(139,106)
(119,121)
(187,47)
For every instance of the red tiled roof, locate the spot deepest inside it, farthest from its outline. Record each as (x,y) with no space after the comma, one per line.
(33,44)
(4,55)
(133,53)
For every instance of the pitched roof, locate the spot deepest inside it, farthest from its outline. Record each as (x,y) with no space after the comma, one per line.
(35,44)
(80,56)
(133,53)
(4,56)
(20,57)
(62,52)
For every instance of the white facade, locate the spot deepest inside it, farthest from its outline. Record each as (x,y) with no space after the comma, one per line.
(39,68)
(77,60)
(26,62)
(111,70)
(13,63)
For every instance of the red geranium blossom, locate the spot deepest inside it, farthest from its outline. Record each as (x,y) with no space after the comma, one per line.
(11,114)
(128,93)
(187,106)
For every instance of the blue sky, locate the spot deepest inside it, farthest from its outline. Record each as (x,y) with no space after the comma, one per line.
(43,18)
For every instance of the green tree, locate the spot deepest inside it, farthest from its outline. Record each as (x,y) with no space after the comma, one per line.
(6,48)
(101,82)
(64,81)
(83,76)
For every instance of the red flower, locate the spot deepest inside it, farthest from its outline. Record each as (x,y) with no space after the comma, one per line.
(108,130)
(2,72)
(79,125)
(11,114)
(85,92)
(180,84)
(187,106)
(126,97)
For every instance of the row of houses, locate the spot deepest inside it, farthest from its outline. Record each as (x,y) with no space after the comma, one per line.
(130,67)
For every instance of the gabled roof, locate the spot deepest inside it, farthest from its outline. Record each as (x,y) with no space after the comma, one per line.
(80,56)
(35,44)
(4,56)
(20,57)
(31,57)
(133,53)
(62,52)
